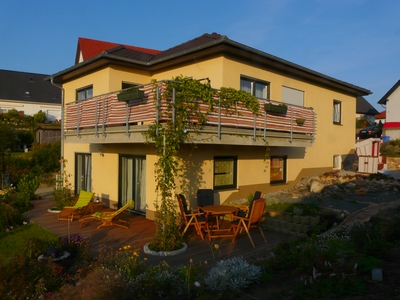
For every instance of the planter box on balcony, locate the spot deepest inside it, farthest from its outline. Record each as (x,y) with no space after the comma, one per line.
(130,95)
(275,108)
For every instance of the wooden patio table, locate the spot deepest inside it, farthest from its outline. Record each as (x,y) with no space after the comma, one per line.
(217,211)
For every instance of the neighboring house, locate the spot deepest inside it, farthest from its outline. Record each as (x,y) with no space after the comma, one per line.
(29,93)
(391,100)
(365,111)
(381,117)
(235,155)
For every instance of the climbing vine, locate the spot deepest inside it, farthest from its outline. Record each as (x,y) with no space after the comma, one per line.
(194,101)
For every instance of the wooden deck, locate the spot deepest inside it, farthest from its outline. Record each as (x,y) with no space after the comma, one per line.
(142,230)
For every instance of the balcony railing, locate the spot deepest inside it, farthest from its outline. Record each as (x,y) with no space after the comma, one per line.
(104,111)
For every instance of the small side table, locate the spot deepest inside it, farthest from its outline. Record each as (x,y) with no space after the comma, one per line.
(96,206)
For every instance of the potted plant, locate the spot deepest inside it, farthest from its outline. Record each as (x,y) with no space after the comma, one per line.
(130,94)
(300,121)
(275,108)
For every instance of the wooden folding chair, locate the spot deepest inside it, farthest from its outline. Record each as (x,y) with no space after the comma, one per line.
(253,220)
(191,217)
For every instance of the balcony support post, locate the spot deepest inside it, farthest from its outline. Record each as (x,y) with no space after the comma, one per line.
(157,108)
(127,118)
(255,127)
(173,107)
(219,118)
(78,119)
(265,126)
(103,125)
(96,119)
(291,124)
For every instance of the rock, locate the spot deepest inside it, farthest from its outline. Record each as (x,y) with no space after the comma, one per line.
(316,187)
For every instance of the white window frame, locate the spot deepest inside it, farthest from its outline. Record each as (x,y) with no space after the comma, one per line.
(252,85)
(337,112)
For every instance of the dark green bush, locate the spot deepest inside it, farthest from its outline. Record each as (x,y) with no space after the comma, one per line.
(47,156)
(391,148)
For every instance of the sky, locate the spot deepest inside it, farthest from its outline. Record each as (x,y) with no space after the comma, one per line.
(356,41)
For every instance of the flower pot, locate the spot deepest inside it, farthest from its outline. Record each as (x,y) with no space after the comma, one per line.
(300,121)
(296,219)
(305,220)
(288,218)
(275,108)
(130,95)
(314,220)
(291,226)
(298,228)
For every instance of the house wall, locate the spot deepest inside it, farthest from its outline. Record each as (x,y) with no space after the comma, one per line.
(253,169)
(393,107)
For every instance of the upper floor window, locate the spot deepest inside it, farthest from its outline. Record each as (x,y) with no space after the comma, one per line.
(126,85)
(257,88)
(292,96)
(337,112)
(84,93)
(225,168)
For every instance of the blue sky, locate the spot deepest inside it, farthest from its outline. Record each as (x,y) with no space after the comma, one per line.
(357,41)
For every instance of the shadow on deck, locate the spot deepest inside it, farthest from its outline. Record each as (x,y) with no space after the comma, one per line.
(142,230)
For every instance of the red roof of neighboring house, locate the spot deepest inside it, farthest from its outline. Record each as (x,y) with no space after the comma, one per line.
(381,115)
(90,48)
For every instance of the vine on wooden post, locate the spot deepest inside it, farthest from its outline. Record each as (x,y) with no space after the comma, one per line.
(194,101)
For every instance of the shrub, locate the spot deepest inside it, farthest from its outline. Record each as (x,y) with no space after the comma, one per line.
(231,276)
(28,185)
(391,148)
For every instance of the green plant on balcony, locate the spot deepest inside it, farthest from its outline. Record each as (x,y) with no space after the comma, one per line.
(168,138)
(300,121)
(275,108)
(130,94)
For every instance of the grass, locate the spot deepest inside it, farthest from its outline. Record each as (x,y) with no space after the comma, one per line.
(14,242)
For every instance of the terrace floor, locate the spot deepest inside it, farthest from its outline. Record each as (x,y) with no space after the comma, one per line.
(142,230)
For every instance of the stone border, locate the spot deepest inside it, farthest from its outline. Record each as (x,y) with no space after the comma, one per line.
(164,253)
(54,210)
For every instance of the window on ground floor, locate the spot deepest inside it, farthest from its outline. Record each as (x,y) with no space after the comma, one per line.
(83,172)
(278,169)
(255,87)
(225,172)
(337,161)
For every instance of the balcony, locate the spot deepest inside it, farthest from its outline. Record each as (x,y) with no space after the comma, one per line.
(104,119)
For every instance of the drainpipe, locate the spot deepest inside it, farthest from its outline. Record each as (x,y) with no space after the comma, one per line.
(62,126)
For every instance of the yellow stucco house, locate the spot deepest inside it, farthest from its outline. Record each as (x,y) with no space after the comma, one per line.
(235,155)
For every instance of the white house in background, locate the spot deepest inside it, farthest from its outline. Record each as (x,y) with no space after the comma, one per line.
(392,102)
(29,93)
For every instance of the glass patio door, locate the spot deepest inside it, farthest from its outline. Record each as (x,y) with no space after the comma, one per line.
(83,172)
(132,181)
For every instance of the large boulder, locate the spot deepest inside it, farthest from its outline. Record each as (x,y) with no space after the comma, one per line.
(316,187)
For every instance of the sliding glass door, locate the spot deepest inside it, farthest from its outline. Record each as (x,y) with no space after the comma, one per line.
(83,172)
(132,181)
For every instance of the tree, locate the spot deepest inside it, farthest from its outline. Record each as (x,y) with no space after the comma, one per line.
(40,117)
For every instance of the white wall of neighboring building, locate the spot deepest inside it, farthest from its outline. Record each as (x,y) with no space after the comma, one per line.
(53,112)
(393,107)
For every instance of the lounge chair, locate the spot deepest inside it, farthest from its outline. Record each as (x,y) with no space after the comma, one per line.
(109,218)
(253,220)
(78,209)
